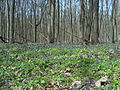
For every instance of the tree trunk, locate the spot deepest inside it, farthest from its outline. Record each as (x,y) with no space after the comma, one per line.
(51,27)
(114,21)
(0,22)
(12,39)
(8,20)
(58,35)
(82,17)
(95,27)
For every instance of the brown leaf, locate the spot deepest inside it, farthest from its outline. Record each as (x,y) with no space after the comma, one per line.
(77,84)
(53,88)
(52,83)
(67,74)
(38,87)
(102,72)
(101,80)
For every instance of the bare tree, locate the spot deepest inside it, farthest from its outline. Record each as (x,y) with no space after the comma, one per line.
(12,38)
(114,21)
(59,20)
(95,27)
(51,26)
(8,20)
(58,31)
(0,22)
(82,18)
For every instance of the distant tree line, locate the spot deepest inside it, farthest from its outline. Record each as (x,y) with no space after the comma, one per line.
(50,21)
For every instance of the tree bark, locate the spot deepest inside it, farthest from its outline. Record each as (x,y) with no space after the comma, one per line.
(8,20)
(51,27)
(95,27)
(12,38)
(82,17)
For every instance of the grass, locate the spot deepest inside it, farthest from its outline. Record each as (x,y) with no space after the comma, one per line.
(28,67)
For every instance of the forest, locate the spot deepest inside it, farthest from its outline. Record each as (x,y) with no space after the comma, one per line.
(55,21)
(59,44)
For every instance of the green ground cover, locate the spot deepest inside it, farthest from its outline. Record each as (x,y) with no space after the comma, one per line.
(31,67)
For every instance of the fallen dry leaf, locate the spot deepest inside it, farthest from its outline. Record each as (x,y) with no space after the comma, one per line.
(52,83)
(77,84)
(67,74)
(101,81)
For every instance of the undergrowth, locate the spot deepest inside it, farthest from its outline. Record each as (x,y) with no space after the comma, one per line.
(28,67)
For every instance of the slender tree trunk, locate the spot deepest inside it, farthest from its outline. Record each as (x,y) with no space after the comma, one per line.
(82,17)
(64,21)
(54,13)
(58,35)
(0,22)
(51,26)
(12,38)
(90,19)
(114,21)
(8,20)
(71,21)
(34,26)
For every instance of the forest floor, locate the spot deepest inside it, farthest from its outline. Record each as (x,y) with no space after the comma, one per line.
(59,67)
